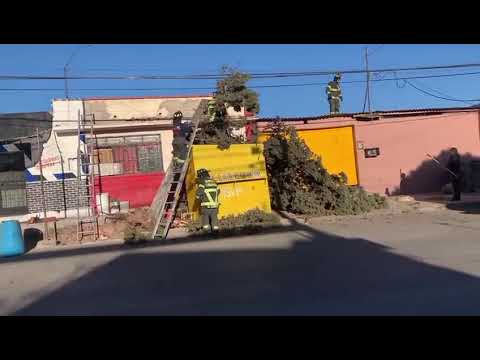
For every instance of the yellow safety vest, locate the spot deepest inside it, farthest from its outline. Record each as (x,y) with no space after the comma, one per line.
(210,189)
(211,109)
(333,90)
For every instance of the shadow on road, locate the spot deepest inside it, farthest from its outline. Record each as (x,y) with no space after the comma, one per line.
(319,274)
(34,236)
(465,207)
(31,238)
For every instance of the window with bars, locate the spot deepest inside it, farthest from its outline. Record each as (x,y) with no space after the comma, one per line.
(128,155)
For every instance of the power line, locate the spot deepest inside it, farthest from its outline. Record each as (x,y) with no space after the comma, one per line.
(440,97)
(253,86)
(221,76)
(439,92)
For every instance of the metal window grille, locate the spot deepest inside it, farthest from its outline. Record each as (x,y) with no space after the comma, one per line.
(129,154)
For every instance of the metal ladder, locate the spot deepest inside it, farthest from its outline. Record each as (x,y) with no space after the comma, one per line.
(87,224)
(164,205)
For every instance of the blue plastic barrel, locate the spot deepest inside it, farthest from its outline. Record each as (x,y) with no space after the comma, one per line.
(11,239)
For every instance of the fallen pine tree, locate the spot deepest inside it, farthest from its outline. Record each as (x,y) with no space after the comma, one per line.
(301,185)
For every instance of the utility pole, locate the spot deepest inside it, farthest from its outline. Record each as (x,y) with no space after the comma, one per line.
(42,188)
(66,67)
(367,90)
(66,81)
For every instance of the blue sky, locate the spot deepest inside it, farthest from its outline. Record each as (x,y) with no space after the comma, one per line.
(200,59)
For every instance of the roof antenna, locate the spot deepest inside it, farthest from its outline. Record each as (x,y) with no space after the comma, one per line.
(367,90)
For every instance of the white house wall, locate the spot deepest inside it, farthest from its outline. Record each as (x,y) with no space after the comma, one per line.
(65,113)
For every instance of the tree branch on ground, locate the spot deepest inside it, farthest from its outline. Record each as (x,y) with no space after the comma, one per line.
(301,185)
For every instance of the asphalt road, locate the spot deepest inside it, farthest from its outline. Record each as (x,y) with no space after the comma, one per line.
(408,264)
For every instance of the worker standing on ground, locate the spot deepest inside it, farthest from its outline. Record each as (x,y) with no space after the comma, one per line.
(334,94)
(208,193)
(455,166)
(179,143)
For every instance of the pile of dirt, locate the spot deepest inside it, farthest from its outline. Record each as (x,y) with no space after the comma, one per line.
(138,225)
(112,227)
(67,235)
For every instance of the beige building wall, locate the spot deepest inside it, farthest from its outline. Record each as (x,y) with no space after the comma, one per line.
(137,108)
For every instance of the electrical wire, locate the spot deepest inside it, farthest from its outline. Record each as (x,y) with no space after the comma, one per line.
(395,78)
(439,92)
(222,76)
(440,97)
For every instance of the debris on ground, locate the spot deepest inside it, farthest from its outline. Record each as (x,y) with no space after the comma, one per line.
(248,222)
(135,234)
(138,226)
(33,220)
(121,226)
(402,198)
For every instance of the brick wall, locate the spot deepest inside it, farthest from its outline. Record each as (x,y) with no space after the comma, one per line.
(54,195)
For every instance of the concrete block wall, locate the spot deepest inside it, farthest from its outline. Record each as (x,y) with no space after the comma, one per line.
(54,196)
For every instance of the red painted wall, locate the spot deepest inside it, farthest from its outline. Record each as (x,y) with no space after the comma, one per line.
(138,189)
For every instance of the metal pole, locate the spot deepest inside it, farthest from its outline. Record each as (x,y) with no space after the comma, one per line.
(66,81)
(41,176)
(368,81)
(79,166)
(45,225)
(65,68)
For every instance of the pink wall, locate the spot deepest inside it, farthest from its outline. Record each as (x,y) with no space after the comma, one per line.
(138,189)
(404,142)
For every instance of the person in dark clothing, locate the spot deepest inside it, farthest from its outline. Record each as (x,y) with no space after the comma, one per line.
(455,166)
(181,128)
(180,149)
(181,134)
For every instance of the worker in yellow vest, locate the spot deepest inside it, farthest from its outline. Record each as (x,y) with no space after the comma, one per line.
(334,94)
(208,193)
(211,109)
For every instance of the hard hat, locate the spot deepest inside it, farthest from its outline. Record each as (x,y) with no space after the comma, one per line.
(203,173)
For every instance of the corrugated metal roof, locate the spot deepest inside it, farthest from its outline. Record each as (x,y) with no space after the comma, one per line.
(380,112)
(21,125)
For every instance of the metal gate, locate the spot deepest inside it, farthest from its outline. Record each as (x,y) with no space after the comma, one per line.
(13,199)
